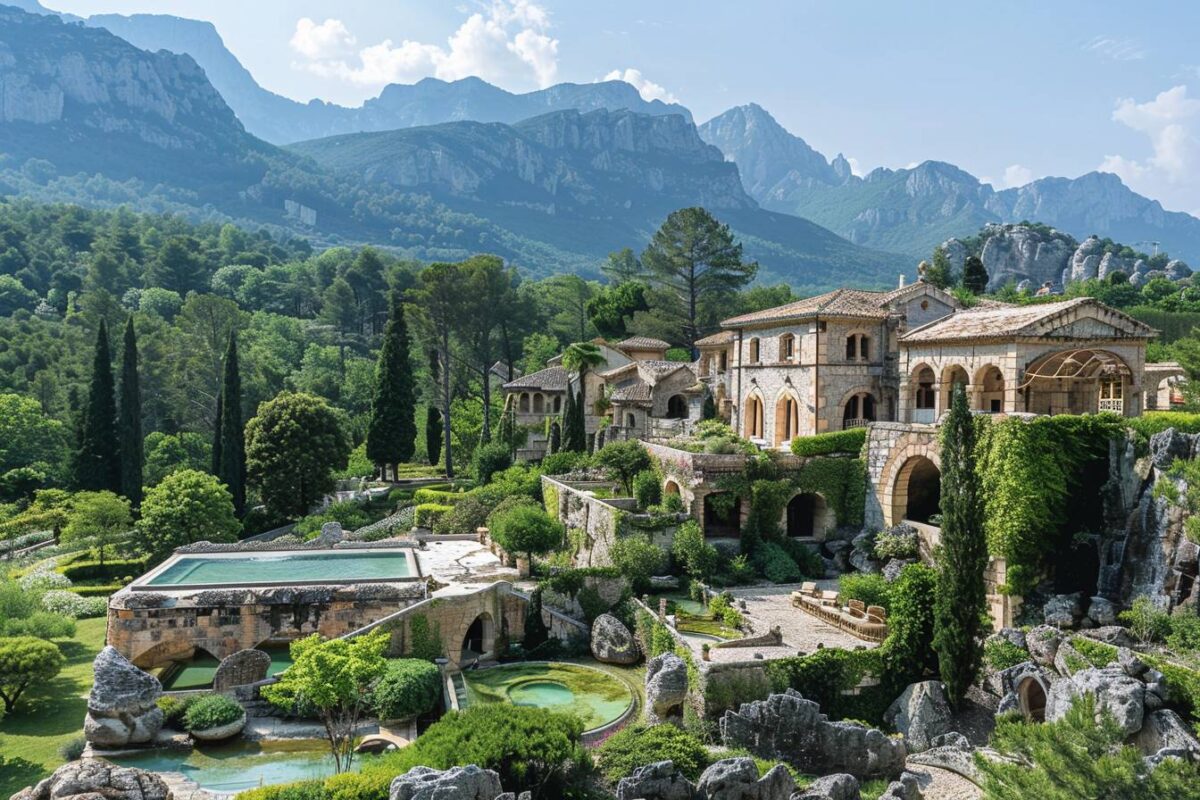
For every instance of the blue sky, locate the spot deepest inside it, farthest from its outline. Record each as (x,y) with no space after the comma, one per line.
(1009,91)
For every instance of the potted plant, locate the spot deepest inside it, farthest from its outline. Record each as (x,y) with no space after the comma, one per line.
(704,651)
(213,717)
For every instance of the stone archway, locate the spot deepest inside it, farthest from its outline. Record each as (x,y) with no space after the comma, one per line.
(677,407)
(917,492)
(887,485)
(479,641)
(670,487)
(808,515)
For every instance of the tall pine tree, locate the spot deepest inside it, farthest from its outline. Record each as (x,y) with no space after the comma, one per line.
(216,439)
(131,419)
(98,467)
(392,433)
(960,607)
(231,435)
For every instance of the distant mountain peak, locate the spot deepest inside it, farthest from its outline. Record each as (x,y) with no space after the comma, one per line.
(766,153)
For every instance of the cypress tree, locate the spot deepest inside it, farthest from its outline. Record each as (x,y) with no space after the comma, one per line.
(709,409)
(231,468)
(555,437)
(960,607)
(131,419)
(536,632)
(433,435)
(574,431)
(975,276)
(392,433)
(216,439)
(99,465)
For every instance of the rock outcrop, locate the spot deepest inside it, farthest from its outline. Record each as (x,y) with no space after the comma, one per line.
(1115,692)
(92,779)
(920,713)
(666,688)
(121,706)
(738,779)
(658,781)
(790,728)
(831,787)
(456,783)
(612,642)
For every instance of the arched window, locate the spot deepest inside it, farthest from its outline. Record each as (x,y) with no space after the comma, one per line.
(754,351)
(787,419)
(557,404)
(851,347)
(864,348)
(722,361)
(926,395)
(539,404)
(677,407)
(859,410)
(630,421)
(787,347)
(753,418)
(524,408)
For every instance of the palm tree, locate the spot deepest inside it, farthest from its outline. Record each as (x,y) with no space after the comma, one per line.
(581,357)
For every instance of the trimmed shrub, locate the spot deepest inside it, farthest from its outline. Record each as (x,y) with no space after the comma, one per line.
(526,530)
(444,497)
(563,462)
(848,441)
(211,711)
(110,570)
(637,558)
(696,557)
(428,515)
(489,459)
(408,687)
(175,706)
(41,624)
(776,565)
(639,745)
(647,490)
(873,590)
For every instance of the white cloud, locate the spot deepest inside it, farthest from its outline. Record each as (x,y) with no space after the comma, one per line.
(507,44)
(648,89)
(1172,170)
(1017,175)
(328,40)
(855,167)
(1117,49)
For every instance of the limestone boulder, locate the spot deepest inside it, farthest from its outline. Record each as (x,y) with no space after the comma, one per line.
(1102,611)
(907,787)
(331,534)
(789,728)
(1063,610)
(241,668)
(831,787)
(920,713)
(658,781)
(457,783)
(122,706)
(1165,730)
(738,779)
(1042,643)
(97,780)
(666,688)
(1122,696)
(612,642)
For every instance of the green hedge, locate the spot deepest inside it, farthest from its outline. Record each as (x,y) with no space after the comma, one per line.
(97,591)
(441,496)
(821,444)
(112,569)
(1153,422)
(427,515)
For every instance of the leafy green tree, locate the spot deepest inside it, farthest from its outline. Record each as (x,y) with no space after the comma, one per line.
(28,436)
(638,559)
(939,273)
(167,453)
(334,677)
(98,519)
(130,427)
(908,653)
(526,529)
(566,298)
(613,307)
(26,661)
(392,434)
(180,266)
(537,349)
(14,296)
(229,451)
(293,447)
(622,461)
(975,276)
(960,607)
(1082,755)
(489,297)
(693,256)
(536,632)
(440,302)
(188,506)
(98,464)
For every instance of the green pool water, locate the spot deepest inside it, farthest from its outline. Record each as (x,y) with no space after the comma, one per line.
(596,696)
(284,567)
(198,672)
(241,765)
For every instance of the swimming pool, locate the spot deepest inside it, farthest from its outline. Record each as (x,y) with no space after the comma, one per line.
(286,567)
(596,696)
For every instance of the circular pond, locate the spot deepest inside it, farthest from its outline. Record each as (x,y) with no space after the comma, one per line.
(596,696)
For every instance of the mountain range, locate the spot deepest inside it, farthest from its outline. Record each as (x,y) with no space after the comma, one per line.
(88,117)
(913,210)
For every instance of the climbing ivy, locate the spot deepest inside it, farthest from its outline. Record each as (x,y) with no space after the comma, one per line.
(1029,471)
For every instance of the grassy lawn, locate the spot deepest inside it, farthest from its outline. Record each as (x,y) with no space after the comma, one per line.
(49,715)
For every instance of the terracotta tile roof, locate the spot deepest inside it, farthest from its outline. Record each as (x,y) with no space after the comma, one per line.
(635,393)
(1019,321)
(642,343)
(553,379)
(720,337)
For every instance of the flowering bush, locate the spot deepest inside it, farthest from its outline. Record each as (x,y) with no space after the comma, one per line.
(44,578)
(72,605)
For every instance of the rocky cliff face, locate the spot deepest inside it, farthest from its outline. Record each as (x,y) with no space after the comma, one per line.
(1032,255)
(599,163)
